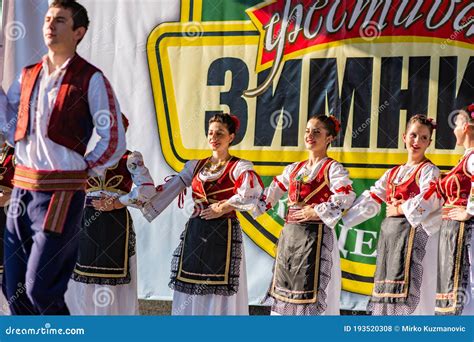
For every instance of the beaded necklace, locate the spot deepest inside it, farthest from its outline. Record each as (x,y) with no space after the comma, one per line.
(212,169)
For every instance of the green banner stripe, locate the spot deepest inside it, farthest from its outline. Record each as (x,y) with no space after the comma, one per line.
(223,10)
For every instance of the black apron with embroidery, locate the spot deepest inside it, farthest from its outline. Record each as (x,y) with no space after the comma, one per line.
(453,267)
(207,261)
(394,251)
(296,274)
(206,251)
(106,243)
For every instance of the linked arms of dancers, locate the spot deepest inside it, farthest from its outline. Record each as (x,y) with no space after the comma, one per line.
(247,192)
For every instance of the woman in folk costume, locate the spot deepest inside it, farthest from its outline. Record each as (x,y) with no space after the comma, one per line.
(408,242)
(7,170)
(307,275)
(104,281)
(208,273)
(455,283)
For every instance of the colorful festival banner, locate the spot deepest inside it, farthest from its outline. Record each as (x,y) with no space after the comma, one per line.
(373,64)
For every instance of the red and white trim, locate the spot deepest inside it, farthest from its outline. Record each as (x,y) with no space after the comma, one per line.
(344,189)
(113,141)
(376,198)
(280,184)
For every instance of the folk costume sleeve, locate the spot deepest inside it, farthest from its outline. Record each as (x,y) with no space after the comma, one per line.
(368,204)
(248,187)
(425,208)
(168,191)
(8,124)
(105,110)
(275,191)
(342,197)
(144,188)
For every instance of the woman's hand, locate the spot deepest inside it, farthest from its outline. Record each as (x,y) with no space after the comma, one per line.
(107,203)
(216,210)
(307,213)
(459,214)
(394,208)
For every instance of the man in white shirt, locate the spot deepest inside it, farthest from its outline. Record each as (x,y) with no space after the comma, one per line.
(56,105)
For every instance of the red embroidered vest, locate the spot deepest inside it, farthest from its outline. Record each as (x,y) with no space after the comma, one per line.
(455,186)
(7,168)
(116,178)
(70,124)
(406,190)
(315,192)
(205,193)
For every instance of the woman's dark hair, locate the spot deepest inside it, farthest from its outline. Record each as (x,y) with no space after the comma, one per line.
(423,120)
(330,123)
(225,119)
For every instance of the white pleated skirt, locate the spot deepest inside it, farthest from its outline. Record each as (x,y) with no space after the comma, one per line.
(106,300)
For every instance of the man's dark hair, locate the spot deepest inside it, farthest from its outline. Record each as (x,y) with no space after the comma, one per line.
(79,13)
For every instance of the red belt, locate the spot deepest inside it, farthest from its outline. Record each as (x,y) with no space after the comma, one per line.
(63,184)
(41,180)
